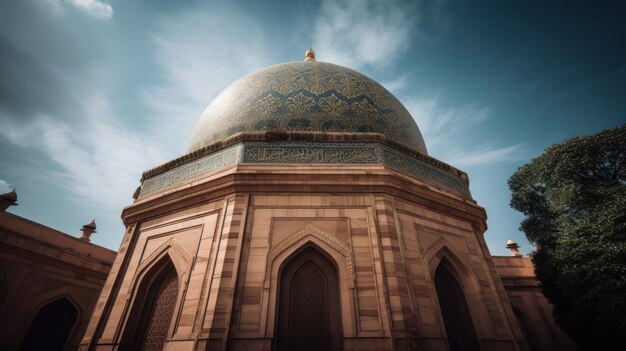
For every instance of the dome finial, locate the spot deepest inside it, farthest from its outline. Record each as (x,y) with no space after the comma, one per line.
(309,55)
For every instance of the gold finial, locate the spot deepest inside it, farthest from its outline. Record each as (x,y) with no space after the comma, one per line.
(309,55)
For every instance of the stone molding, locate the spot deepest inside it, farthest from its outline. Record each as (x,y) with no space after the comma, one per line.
(190,170)
(313,231)
(302,152)
(317,137)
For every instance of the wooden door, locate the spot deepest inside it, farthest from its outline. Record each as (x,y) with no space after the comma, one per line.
(309,317)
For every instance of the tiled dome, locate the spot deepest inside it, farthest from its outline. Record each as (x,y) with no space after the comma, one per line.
(306,97)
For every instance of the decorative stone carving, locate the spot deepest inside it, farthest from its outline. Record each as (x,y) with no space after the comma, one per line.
(422,170)
(336,153)
(310,230)
(290,152)
(190,170)
(170,243)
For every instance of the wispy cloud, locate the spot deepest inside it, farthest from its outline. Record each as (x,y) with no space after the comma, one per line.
(5,186)
(95,152)
(396,85)
(358,33)
(101,157)
(486,155)
(100,162)
(441,123)
(95,8)
(197,58)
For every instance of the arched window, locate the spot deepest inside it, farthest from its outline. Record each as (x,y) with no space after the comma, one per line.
(51,327)
(149,321)
(309,316)
(456,314)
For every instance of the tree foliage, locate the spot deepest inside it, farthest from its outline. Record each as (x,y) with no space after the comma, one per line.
(573,197)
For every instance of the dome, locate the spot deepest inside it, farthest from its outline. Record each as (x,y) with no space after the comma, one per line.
(306,97)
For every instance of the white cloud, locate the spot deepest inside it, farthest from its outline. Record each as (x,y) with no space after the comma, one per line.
(101,161)
(443,126)
(95,8)
(397,84)
(97,153)
(440,123)
(358,33)
(486,155)
(200,52)
(5,186)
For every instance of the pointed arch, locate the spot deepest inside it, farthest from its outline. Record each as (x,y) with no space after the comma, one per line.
(441,255)
(181,258)
(455,312)
(310,233)
(155,298)
(67,293)
(439,250)
(52,326)
(337,252)
(309,314)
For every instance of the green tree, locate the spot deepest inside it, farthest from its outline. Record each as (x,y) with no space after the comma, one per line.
(573,197)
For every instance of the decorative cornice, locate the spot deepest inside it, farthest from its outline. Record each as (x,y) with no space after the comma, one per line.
(365,149)
(305,137)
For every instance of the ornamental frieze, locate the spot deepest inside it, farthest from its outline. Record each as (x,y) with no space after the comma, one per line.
(260,152)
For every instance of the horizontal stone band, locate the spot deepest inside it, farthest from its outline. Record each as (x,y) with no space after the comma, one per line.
(294,152)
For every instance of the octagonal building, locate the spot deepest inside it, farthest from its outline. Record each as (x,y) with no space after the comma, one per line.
(305,215)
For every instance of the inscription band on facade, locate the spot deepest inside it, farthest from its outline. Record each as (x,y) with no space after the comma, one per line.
(259,152)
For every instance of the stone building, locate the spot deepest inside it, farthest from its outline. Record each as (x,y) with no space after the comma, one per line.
(49,282)
(307,215)
(532,310)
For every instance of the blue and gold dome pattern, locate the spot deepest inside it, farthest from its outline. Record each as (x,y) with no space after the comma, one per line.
(306,97)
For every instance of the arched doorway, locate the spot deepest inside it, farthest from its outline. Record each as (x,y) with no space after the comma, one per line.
(455,312)
(51,327)
(149,321)
(309,315)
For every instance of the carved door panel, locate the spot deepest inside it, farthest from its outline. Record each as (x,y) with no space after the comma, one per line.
(309,315)
(159,314)
(149,320)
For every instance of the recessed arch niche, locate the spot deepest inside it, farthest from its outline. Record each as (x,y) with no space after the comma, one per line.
(309,312)
(51,327)
(151,314)
(460,330)
(337,252)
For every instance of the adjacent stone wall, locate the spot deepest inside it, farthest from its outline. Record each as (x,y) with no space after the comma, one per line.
(39,265)
(531,308)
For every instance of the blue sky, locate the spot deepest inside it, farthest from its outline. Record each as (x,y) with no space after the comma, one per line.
(93,92)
